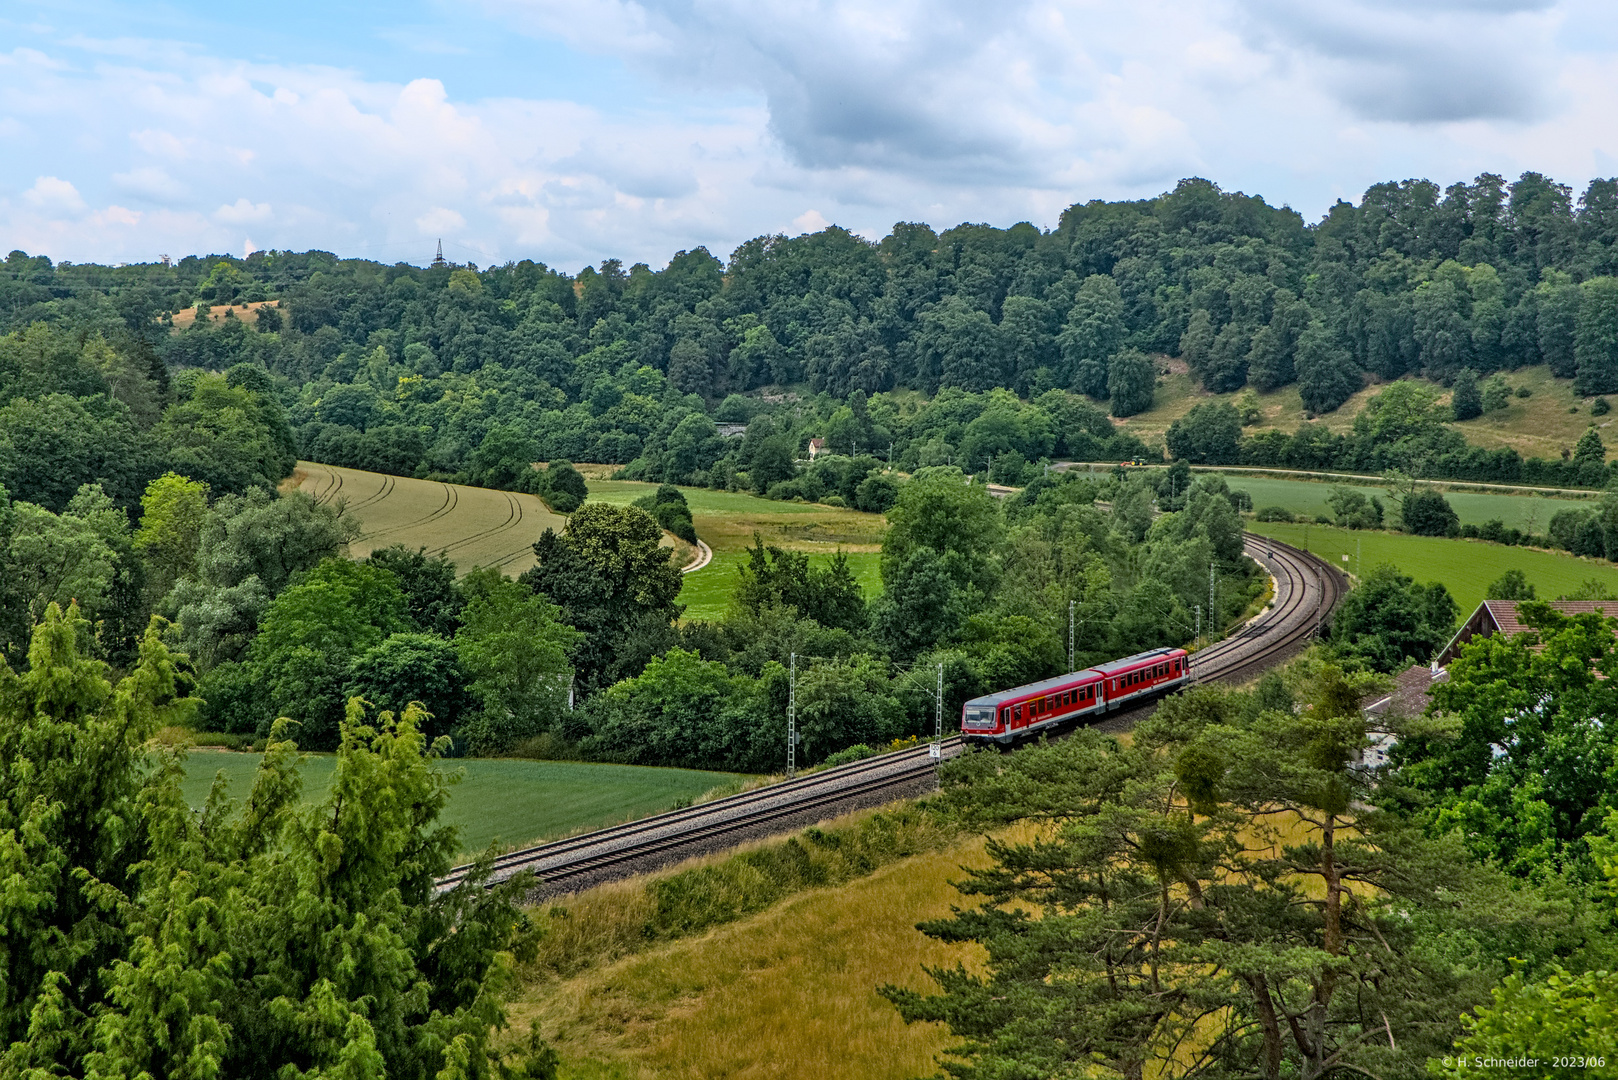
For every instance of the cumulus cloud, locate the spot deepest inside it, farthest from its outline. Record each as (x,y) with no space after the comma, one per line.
(54,197)
(1445,61)
(864,113)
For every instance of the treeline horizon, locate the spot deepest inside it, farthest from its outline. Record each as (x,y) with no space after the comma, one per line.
(460,373)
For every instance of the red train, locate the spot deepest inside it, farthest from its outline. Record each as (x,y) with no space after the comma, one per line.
(1020,712)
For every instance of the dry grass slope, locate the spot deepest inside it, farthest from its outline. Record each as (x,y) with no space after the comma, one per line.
(788,993)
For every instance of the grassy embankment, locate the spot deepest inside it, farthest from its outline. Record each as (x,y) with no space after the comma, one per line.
(763,964)
(726,521)
(504,801)
(1539,425)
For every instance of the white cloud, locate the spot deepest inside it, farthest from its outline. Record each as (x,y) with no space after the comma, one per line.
(809,221)
(54,197)
(242,212)
(440,220)
(944,110)
(150,182)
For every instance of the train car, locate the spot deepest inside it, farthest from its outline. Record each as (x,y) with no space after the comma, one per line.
(1142,675)
(1021,712)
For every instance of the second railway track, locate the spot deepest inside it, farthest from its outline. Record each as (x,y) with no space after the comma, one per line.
(1306,590)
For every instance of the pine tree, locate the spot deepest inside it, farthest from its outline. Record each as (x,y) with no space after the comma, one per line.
(1219,883)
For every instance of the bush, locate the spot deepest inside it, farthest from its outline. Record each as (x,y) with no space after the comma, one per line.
(1428,513)
(857,752)
(877,493)
(1600,407)
(672,512)
(561,486)
(1274,513)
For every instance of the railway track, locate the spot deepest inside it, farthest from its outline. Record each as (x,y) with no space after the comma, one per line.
(1306,589)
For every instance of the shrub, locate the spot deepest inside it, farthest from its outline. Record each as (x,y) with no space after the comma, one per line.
(1275,513)
(1428,513)
(1599,407)
(877,493)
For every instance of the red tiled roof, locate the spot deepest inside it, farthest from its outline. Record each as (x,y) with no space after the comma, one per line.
(1505,617)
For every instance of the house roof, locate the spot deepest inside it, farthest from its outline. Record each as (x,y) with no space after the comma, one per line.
(1408,697)
(1503,617)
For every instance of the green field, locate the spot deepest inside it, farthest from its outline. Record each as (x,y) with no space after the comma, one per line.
(501,800)
(726,521)
(707,592)
(1531,513)
(1466,567)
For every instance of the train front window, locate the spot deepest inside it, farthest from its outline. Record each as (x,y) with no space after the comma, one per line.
(979,718)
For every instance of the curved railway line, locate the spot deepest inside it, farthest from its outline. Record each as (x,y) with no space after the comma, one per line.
(1306,590)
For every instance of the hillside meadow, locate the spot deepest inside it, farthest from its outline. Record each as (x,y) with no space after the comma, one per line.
(788,992)
(501,801)
(1543,424)
(727,520)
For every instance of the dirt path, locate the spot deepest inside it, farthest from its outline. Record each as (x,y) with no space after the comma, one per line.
(704,557)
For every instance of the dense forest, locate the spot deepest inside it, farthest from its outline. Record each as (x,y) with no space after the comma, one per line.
(452,370)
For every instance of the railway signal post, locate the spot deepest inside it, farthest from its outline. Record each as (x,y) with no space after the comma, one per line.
(792,719)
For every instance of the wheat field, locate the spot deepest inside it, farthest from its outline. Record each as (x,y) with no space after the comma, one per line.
(473,526)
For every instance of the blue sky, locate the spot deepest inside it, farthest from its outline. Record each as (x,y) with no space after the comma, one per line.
(569,132)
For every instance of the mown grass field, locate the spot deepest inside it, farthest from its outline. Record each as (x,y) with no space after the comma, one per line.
(1531,513)
(502,801)
(1540,425)
(473,526)
(1466,567)
(727,520)
(790,992)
